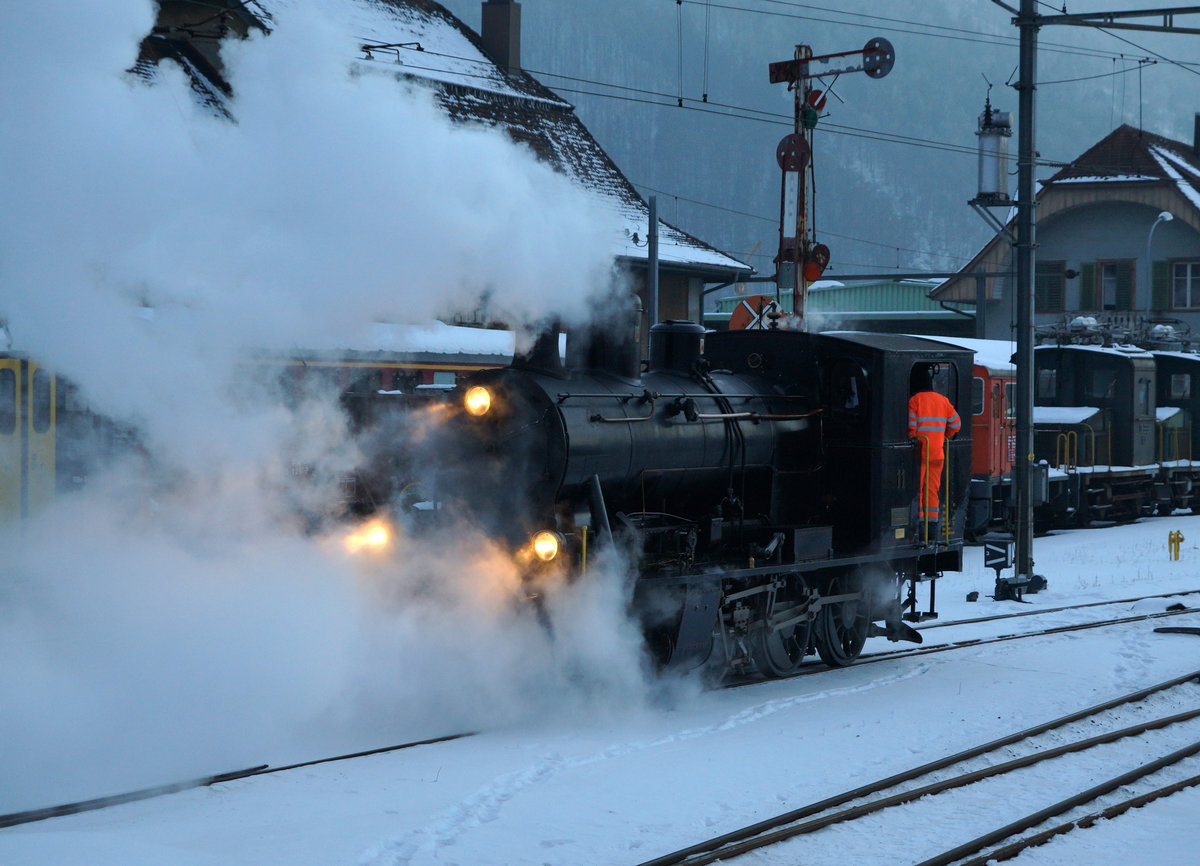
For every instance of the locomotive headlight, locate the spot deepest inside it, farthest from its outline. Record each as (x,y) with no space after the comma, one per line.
(546,545)
(373,536)
(478,400)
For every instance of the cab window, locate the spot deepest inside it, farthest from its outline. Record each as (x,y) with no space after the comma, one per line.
(1047,384)
(848,387)
(977,392)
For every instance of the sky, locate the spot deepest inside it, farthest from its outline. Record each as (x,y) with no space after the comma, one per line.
(623,780)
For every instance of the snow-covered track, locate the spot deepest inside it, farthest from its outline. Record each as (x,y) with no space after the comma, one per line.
(1011,850)
(1045,610)
(12,819)
(844,807)
(975,642)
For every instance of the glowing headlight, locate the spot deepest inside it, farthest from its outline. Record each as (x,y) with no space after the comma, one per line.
(478,400)
(375,535)
(545,545)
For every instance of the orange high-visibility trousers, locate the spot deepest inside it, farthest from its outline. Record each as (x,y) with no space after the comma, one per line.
(932,467)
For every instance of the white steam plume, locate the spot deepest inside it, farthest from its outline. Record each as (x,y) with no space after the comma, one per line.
(171,619)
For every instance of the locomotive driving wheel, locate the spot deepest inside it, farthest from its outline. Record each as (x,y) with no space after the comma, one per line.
(842,627)
(778,651)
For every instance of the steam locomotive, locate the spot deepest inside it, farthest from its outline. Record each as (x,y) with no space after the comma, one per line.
(762,481)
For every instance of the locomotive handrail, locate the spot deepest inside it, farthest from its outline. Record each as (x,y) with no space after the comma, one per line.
(1069,440)
(1176,446)
(753,416)
(563,396)
(601,419)
(1092,434)
(644,397)
(921,497)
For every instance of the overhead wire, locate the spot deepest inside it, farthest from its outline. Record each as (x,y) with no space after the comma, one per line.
(775,220)
(655,98)
(956,33)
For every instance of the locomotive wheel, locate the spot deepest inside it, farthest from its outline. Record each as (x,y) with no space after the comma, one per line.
(779,652)
(842,628)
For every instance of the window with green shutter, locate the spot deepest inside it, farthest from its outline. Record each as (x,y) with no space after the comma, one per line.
(1160,286)
(1048,281)
(1087,286)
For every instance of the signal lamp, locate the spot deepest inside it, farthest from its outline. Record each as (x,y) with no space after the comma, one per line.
(477,401)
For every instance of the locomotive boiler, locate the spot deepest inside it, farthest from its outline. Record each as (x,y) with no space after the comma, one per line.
(761,482)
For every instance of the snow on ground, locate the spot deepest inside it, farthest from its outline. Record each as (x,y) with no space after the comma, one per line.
(621,783)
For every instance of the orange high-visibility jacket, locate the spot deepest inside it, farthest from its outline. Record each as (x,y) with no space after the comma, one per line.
(932,416)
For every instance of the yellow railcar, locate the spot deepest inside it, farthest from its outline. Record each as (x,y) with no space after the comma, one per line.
(28,432)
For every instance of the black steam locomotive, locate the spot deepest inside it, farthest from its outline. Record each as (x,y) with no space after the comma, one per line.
(763,481)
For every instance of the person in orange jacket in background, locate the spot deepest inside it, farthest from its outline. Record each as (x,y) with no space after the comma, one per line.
(931,419)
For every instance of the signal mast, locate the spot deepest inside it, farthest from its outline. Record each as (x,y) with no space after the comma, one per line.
(801,260)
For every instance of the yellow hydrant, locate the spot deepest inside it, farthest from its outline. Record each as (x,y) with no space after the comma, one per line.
(1174,540)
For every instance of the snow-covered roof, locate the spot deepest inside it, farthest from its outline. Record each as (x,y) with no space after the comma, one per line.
(995,355)
(1185,175)
(1101,178)
(1130,154)
(1187,356)
(1124,351)
(1063,414)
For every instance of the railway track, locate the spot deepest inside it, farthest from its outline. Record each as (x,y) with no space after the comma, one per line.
(1045,610)
(1178,740)
(30,816)
(973,642)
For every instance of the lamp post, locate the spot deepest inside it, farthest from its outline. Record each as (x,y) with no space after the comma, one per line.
(1164,217)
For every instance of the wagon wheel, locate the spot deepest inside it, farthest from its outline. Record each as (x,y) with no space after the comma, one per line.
(779,652)
(842,627)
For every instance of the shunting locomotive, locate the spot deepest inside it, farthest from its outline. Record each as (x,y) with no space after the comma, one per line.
(762,482)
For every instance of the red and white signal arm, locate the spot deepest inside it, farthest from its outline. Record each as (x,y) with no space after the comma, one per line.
(754,312)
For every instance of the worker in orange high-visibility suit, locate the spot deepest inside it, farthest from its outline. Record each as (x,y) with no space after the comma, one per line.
(931,419)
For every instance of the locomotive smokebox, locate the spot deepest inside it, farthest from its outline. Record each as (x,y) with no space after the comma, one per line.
(675,346)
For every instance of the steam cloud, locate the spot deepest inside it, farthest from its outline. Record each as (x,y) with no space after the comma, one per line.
(172,619)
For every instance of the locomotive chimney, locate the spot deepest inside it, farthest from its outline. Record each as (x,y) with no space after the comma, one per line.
(501,32)
(610,343)
(543,356)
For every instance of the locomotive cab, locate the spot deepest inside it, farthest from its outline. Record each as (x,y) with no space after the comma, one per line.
(872,468)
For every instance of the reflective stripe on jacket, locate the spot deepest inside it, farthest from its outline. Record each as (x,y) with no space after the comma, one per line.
(932,416)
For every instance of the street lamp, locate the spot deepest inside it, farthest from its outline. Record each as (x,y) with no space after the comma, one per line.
(1164,217)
